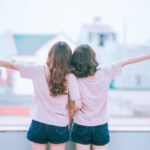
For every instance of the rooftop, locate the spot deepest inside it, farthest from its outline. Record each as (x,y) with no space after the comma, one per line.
(29,44)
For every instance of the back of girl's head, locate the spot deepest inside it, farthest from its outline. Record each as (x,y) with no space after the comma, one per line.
(59,63)
(84,61)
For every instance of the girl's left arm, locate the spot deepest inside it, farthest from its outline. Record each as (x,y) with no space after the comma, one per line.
(9,65)
(134,60)
(73,106)
(71,112)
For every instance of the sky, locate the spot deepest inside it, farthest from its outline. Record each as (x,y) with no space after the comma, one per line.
(129,18)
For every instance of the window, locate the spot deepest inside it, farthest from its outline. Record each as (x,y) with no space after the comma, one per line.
(101,40)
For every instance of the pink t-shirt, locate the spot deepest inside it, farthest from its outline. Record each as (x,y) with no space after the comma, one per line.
(46,108)
(94,95)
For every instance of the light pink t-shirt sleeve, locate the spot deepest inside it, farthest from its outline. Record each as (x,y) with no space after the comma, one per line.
(73,88)
(29,71)
(112,71)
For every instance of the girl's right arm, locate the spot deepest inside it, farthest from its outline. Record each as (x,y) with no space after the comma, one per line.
(134,60)
(73,106)
(71,112)
(9,65)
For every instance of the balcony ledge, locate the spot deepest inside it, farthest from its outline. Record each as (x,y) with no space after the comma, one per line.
(112,129)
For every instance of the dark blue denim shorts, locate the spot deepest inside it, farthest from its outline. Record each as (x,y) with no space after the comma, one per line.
(96,135)
(43,133)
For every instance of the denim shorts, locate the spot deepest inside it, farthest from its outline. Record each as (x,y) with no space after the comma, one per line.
(43,133)
(96,135)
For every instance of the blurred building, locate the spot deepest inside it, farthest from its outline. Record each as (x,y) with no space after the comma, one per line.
(104,41)
(7,52)
(28,49)
(136,76)
(33,49)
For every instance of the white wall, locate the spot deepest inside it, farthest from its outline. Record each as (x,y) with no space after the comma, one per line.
(120,140)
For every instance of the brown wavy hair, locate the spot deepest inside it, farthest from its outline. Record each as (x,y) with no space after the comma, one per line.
(59,63)
(84,61)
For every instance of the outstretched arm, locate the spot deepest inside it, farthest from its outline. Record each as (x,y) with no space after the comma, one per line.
(9,65)
(134,60)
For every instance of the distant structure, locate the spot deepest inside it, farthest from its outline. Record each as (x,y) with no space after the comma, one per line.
(98,34)
(7,52)
(28,49)
(103,39)
(33,49)
(136,76)
(42,52)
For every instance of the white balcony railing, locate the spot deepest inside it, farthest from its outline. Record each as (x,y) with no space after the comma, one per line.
(123,138)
